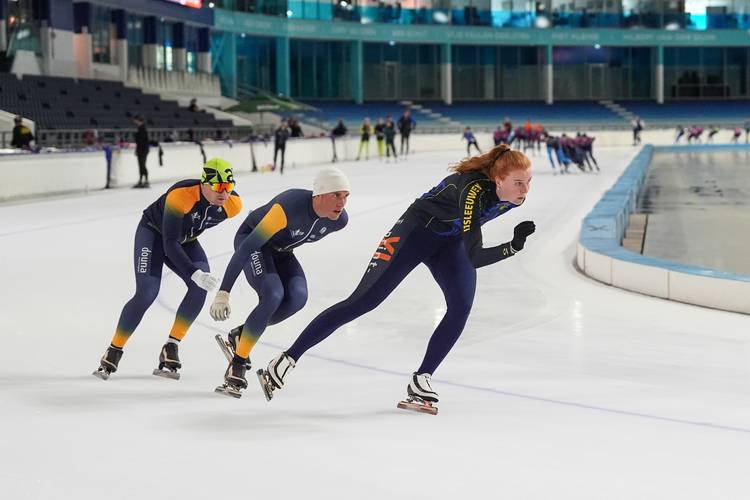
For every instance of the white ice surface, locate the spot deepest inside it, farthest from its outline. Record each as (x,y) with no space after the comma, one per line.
(559,388)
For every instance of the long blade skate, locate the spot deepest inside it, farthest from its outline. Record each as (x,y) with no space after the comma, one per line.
(228,390)
(417,404)
(167,373)
(102,374)
(226,347)
(265,384)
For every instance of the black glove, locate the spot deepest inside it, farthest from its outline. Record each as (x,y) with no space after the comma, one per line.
(520,233)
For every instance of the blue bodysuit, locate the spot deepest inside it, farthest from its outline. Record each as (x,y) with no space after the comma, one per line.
(442,230)
(264,247)
(168,235)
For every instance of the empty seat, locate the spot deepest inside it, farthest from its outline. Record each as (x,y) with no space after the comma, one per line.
(58,102)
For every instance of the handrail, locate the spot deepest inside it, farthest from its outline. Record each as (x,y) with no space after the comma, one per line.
(80,137)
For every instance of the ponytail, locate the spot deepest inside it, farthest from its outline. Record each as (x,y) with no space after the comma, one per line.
(497,162)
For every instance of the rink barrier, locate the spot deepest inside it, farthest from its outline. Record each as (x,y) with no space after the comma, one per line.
(600,255)
(81,171)
(28,175)
(67,172)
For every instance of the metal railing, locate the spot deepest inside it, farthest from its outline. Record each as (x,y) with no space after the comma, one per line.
(72,138)
(80,138)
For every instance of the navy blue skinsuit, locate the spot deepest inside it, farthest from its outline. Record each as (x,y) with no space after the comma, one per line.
(264,247)
(442,230)
(168,234)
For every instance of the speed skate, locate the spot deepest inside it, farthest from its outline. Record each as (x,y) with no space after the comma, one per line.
(166,373)
(415,403)
(228,390)
(226,347)
(265,384)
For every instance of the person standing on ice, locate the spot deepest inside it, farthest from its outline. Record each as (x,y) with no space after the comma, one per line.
(364,139)
(441,229)
(168,234)
(471,140)
(264,250)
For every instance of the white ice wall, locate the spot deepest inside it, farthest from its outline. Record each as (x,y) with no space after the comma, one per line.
(674,282)
(600,256)
(69,172)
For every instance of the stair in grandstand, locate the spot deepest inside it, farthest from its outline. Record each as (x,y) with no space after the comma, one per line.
(619,110)
(325,114)
(722,113)
(442,121)
(486,116)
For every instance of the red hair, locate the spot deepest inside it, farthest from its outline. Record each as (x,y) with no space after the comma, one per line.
(499,161)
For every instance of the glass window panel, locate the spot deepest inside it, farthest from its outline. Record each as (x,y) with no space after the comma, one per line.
(100,34)
(321,69)
(372,53)
(641,73)
(428,54)
(409,54)
(258,68)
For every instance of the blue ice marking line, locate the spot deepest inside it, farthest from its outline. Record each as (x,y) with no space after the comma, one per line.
(490,390)
(499,392)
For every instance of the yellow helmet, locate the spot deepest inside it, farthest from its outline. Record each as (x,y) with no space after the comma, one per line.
(216,171)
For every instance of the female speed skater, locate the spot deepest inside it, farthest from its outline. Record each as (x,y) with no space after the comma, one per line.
(264,250)
(471,140)
(441,229)
(168,234)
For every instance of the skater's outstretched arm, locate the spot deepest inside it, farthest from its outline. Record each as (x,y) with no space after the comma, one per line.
(471,200)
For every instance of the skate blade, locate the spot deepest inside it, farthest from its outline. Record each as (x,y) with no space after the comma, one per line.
(267,391)
(166,374)
(224,346)
(101,374)
(228,391)
(418,407)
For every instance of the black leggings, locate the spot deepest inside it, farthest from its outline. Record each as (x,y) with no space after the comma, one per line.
(142,170)
(389,146)
(402,249)
(276,149)
(405,139)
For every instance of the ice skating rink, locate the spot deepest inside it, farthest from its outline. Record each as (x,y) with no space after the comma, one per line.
(559,388)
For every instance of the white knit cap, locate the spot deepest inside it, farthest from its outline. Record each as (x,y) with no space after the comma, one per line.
(330,180)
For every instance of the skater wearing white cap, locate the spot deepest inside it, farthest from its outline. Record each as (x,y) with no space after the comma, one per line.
(264,250)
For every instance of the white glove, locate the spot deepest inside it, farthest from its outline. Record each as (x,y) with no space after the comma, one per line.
(220,309)
(204,280)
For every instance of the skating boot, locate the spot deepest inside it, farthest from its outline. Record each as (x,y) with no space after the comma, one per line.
(272,378)
(169,362)
(108,363)
(228,346)
(234,377)
(421,397)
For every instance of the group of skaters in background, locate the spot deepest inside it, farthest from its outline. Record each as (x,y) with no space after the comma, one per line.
(694,133)
(562,151)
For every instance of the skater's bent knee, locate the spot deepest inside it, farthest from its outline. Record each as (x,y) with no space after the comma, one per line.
(271,296)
